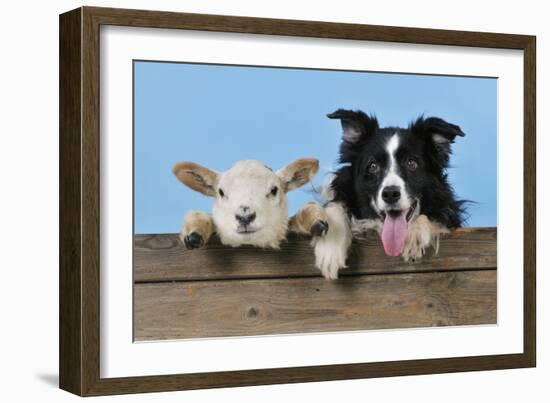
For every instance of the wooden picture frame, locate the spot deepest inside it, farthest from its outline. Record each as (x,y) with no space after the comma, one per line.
(79,346)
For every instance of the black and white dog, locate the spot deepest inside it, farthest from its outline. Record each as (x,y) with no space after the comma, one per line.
(392,180)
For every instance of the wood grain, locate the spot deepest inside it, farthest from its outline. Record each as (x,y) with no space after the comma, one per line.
(530,202)
(274,306)
(70,251)
(315,29)
(164,258)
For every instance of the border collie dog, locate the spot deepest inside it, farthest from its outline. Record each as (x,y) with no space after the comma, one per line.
(393,180)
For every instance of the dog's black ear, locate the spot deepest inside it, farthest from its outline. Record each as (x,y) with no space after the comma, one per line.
(439,133)
(356,125)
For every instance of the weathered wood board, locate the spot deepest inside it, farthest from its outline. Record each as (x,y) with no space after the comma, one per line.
(221,291)
(274,306)
(164,258)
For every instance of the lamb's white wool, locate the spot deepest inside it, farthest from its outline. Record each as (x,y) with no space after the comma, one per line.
(331,250)
(247,189)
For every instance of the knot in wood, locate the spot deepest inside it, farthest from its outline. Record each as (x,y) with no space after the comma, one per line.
(251,313)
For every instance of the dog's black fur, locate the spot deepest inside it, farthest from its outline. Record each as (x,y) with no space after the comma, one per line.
(427,141)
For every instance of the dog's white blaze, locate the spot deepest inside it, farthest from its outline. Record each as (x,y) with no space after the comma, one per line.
(392,177)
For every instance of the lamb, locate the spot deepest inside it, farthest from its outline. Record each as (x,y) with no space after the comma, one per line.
(250,206)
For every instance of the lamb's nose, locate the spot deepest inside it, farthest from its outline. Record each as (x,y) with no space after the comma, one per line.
(391,194)
(245,219)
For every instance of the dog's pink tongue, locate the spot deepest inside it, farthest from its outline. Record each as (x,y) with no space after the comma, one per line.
(394,233)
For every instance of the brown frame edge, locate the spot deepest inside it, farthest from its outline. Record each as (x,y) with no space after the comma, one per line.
(79,201)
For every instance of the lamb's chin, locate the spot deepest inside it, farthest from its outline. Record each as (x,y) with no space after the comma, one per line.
(266,239)
(235,239)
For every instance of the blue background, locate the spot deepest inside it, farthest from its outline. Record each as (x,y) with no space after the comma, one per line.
(216,115)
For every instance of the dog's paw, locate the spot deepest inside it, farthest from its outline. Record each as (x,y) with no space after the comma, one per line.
(331,250)
(329,258)
(319,228)
(193,240)
(414,249)
(421,234)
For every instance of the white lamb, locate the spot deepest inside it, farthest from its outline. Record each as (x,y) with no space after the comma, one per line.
(250,206)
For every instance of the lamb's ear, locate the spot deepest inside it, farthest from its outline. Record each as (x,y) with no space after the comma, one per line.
(197,177)
(298,173)
(440,133)
(356,125)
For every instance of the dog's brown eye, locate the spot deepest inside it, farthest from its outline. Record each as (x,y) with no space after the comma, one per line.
(412,164)
(273,191)
(373,167)
(220,191)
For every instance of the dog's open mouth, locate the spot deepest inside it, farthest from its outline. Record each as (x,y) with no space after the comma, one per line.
(394,230)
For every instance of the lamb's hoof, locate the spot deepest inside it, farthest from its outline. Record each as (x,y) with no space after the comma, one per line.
(319,228)
(193,240)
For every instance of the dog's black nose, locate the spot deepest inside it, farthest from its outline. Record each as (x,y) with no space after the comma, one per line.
(391,194)
(245,219)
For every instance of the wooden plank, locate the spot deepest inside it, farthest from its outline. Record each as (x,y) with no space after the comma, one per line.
(182,310)
(164,258)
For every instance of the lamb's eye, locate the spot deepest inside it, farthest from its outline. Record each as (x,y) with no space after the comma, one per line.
(220,191)
(412,164)
(373,167)
(273,191)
